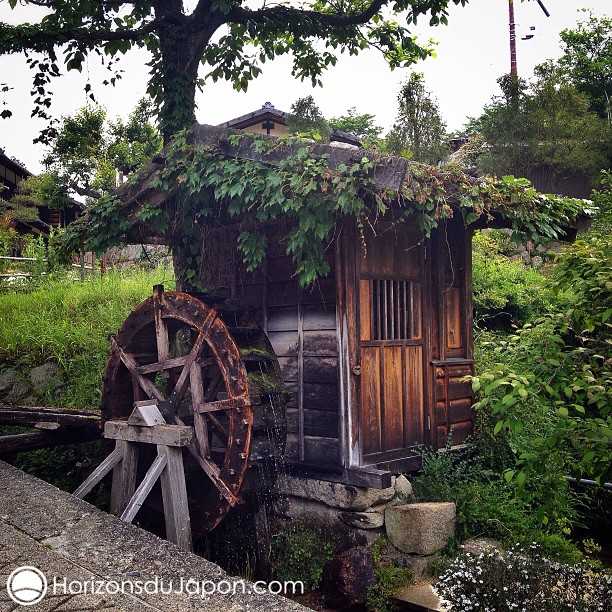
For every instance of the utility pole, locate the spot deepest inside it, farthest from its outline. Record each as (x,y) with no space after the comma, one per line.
(513,68)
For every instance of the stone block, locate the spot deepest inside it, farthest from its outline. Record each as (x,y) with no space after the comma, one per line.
(403,487)
(8,378)
(422,529)
(334,494)
(46,376)
(363,520)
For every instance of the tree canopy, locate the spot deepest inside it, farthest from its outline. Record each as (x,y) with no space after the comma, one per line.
(419,130)
(588,62)
(88,154)
(545,123)
(231,39)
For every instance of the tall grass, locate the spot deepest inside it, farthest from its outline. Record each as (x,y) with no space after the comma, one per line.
(69,322)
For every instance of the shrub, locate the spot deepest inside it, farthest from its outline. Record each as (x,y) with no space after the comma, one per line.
(505,291)
(300,551)
(523,580)
(390,579)
(487,504)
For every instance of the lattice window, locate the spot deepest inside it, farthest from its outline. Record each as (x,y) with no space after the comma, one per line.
(391,309)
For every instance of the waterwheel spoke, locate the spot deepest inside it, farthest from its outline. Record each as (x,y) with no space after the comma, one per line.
(212,386)
(199,422)
(161,329)
(170,364)
(181,383)
(219,428)
(213,472)
(132,365)
(226,404)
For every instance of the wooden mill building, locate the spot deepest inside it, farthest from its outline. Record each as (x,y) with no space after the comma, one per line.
(374,355)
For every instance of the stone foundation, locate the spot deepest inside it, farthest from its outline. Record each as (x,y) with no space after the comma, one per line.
(360,516)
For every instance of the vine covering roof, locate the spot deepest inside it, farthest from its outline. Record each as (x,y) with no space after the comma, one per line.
(210,174)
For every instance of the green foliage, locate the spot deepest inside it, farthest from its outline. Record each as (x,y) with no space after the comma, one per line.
(584,274)
(31,193)
(419,131)
(523,579)
(180,41)
(603,200)
(300,551)
(487,504)
(69,323)
(312,197)
(548,373)
(548,123)
(390,579)
(505,291)
(587,60)
(86,154)
(307,120)
(362,126)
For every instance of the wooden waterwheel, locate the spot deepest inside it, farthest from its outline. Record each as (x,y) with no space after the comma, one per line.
(204,373)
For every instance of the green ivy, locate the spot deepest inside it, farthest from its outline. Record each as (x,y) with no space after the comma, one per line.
(313,197)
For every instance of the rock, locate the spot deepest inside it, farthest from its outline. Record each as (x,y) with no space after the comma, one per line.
(525,257)
(17,392)
(363,520)
(421,597)
(46,376)
(8,378)
(403,487)
(537,261)
(334,494)
(347,577)
(478,546)
(422,529)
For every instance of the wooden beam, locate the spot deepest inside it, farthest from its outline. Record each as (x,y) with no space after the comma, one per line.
(168,435)
(19,443)
(144,488)
(68,417)
(132,365)
(174,494)
(99,473)
(124,477)
(226,404)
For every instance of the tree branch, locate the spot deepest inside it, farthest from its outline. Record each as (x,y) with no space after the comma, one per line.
(283,14)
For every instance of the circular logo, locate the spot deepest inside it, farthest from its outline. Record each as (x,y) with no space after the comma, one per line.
(26,585)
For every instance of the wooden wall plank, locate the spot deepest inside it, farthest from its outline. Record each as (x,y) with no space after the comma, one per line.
(393,395)
(452,309)
(413,416)
(370,401)
(365,310)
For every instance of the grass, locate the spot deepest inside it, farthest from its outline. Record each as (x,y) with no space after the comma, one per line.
(69,322)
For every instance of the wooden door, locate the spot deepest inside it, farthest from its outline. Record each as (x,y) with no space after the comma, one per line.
(391,345)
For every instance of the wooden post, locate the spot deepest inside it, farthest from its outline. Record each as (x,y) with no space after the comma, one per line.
(174,493)
(82,267)
(124,477)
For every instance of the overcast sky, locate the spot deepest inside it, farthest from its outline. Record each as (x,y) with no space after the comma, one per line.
(472,53)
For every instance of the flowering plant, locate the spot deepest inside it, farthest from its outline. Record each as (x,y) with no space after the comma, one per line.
(522,580)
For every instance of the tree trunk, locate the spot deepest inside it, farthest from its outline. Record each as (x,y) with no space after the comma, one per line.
(180,52)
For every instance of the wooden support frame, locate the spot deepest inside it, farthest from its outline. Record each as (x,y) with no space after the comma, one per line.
(126,498)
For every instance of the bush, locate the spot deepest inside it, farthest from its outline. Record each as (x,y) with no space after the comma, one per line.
(505,292)
(300,551)
(523,580)
(487,504)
